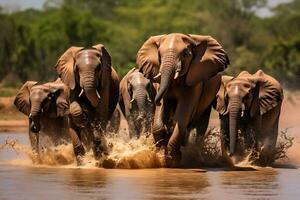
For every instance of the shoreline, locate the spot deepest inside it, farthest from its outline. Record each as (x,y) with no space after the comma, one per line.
(13,126)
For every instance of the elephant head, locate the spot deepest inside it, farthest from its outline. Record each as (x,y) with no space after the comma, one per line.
(247,94)
(35,100)
(194,57)
(85,69)
(139,94)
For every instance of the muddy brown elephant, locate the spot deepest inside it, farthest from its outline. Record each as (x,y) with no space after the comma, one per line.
(94,94)
(47,108)
(251,104)
(186,66)
(137,95)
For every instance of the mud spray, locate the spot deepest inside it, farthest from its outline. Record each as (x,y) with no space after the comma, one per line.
(141,153)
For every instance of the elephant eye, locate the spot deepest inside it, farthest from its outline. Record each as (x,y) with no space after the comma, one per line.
(186,53)
(246,85)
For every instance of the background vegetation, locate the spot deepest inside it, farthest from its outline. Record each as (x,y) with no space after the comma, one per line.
(32,40)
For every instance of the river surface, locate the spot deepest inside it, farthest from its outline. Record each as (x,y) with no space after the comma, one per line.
(19,179)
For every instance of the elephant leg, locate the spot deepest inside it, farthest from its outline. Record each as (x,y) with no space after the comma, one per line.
(99,142)
(268,136)
(34,141)
(183,116)
(224,129)
(132,129)
(202,123)
(78,148)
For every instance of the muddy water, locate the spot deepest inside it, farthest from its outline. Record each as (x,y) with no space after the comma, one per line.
(19,179)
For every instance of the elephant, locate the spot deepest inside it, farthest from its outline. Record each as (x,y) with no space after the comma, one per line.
(187,68)
(137,95)
(94,94)
(251,104)
(47,108)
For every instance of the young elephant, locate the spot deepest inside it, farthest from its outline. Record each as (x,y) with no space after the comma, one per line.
(47,109)
(94,94)
(251,104)
(137,95)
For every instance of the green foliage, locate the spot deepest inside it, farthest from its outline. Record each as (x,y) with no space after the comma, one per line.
(32,40)
(284,61)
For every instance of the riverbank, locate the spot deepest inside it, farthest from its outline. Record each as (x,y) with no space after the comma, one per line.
(11,120)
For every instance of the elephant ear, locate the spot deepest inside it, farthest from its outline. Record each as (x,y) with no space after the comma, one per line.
(22,99)
(209,58)
(105,57)
(148,57)
(65,66)
(221,102)
(124,89)
(60,92)
(270,92)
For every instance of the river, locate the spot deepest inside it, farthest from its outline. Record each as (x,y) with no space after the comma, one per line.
(19,179)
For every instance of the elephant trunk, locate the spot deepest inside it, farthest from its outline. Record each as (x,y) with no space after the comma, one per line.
(35,117)
(234,115)
(141,101)
(90,90)
(167,72)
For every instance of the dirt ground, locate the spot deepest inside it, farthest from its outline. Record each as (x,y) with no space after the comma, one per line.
(11,120)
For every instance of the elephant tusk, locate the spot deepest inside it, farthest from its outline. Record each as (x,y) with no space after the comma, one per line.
(132,100)
(157,76)
(98,95)
(176,75)
(148,98)
(81,93)
(243,109)
(30,116)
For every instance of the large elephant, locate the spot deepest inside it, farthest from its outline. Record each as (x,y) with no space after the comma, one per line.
(250,104)
(47,108)
(186,66)
(94,94)
(137,95)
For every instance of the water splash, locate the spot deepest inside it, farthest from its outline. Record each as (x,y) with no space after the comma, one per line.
(141,153)
(133,154)
(280,155)
(203,150)
(53,156)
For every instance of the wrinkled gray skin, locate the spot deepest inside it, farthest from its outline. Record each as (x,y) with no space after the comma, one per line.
(250,104)
(186,67)
(137,95)
(94,94)
(47,109)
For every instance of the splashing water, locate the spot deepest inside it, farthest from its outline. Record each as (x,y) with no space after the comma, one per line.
(53,156)
(284,143)
(133,154)
(141,153)
(204,150)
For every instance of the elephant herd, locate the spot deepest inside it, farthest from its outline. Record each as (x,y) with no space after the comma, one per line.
(172,90)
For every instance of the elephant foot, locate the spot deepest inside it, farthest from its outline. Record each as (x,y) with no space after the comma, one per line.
(79,154)
(173,158)
(99,148)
